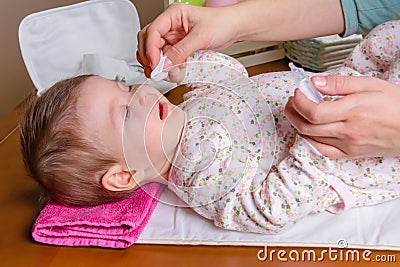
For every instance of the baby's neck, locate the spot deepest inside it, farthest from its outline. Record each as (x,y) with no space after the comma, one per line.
(164,171)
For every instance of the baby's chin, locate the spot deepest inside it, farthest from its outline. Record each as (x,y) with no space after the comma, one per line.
(175,116)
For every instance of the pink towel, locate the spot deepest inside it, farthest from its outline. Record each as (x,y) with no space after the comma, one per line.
(114,225)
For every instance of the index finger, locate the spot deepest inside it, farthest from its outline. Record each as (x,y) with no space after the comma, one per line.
(152,46)
(156,31)
(345,85)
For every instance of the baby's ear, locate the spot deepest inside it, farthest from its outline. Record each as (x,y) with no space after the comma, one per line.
(118,179)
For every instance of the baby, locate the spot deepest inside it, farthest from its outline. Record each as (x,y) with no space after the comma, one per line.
(218,151)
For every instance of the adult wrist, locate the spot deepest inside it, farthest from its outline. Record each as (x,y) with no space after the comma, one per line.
(248,20)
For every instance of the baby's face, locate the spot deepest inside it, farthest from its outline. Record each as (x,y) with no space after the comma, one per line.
(137,124)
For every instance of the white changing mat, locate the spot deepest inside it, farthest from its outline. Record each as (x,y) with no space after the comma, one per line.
(93,37)
(370,227)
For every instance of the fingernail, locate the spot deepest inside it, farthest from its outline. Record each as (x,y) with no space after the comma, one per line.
(167,63)
(319,81)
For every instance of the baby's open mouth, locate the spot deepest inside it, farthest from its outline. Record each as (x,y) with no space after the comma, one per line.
(163,110)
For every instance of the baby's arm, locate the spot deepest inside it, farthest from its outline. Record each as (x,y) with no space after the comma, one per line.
(212,67)
(206,69)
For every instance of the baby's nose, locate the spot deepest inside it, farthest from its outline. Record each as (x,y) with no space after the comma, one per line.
(143,99)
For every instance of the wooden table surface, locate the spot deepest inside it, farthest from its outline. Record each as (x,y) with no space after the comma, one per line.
(19,208)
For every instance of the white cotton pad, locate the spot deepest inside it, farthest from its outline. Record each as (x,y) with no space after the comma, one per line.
(157,74)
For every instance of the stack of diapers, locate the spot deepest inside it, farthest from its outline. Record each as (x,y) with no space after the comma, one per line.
(322,53)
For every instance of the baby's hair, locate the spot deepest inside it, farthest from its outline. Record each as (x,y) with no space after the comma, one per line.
(65,163)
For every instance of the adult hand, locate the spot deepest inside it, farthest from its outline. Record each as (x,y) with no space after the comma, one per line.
(181,30)
(365,122)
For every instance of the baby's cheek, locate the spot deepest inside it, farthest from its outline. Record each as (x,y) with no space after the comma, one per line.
(153,138)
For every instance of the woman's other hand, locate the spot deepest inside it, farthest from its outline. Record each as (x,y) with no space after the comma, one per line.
(365,122)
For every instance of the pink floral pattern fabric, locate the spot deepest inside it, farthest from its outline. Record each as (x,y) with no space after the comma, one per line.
(379,53)
(232,168)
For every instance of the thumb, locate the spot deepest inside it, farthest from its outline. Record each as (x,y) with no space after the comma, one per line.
(179,52)
(343,85)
